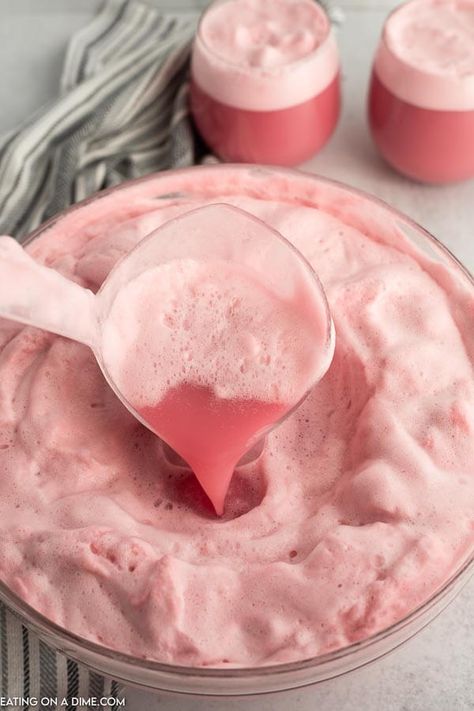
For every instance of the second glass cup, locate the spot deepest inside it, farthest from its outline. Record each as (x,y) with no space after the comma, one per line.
(421,98)
(265,84)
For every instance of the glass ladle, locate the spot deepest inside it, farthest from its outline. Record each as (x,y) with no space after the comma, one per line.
(211,432)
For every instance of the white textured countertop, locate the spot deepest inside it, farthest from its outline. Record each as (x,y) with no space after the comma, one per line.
(434,671)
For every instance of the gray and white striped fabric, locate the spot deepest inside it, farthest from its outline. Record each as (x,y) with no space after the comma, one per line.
(121,113)
(34,676)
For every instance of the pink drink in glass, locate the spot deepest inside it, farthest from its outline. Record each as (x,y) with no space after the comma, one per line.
(421,99)
(265,88)
(284,137)
(428,145)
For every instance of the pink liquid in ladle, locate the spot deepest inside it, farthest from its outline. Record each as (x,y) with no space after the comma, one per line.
(210,331)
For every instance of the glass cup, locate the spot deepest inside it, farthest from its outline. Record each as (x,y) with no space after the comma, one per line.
(421,121)
(278,115)
(349,205)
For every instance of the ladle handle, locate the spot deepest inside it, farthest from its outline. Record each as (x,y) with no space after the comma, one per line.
(39,296)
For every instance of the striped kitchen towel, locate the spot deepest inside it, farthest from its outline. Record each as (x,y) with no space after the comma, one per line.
(34,676)
(121,113)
